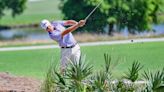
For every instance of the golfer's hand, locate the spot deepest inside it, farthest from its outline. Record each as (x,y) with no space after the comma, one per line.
(81,23)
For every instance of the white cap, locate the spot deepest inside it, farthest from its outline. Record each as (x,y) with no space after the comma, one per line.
(45,23)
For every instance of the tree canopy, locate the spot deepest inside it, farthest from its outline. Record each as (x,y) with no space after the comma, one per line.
(79,9)
(136,15)
(16,6)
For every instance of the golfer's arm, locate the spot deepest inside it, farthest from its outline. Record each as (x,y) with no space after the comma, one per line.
(70,29)
(70,22)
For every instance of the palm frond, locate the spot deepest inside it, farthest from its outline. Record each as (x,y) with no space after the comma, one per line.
(60,78)
(100,82)
(79,70)
(107,62)
(155,80)
(79,77)
(76,73)
(133,73)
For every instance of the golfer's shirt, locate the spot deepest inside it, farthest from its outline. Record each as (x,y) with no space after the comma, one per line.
(67,40)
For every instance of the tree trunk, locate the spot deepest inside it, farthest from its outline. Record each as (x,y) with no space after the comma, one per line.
(111,29)
(131,31)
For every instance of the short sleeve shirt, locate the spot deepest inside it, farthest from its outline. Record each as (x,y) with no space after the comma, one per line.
(65,41)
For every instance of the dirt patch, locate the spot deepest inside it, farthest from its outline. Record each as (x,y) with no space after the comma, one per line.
(11,83)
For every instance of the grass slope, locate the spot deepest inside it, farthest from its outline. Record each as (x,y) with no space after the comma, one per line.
(34,12)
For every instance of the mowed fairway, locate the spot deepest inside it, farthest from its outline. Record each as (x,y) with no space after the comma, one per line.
(35,62)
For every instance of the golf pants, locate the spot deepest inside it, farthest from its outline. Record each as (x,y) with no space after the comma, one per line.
(70,54)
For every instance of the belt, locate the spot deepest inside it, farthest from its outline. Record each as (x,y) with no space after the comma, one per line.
(70,46)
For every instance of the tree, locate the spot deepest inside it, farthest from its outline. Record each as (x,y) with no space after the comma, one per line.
(140,15)
(79,9)
(136,15)
(17,6)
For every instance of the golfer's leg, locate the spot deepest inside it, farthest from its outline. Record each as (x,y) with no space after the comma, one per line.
(76,54)
(65,56)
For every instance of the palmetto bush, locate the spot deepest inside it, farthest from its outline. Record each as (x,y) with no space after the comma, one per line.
(79,77)
(155,81)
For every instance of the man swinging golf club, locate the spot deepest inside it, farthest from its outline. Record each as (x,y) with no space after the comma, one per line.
(70,50)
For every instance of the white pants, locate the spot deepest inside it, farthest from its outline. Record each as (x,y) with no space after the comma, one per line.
(68,54)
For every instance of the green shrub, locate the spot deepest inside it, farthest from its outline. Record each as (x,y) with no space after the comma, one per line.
(79,77)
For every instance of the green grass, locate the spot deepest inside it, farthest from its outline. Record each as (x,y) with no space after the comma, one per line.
(35,62)
(34,13)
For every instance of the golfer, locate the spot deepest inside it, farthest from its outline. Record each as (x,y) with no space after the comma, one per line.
(57,31)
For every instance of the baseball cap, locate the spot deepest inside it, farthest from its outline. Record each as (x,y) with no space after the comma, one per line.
(44,24)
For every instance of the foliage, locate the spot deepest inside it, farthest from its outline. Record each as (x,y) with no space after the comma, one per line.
(101,80)
(78,77)
(77,72)
(49,83)
(133,73)
(128,84)
(16,6)
(136,15)
(141,14)
(155,81)
(71,81)
(79,9)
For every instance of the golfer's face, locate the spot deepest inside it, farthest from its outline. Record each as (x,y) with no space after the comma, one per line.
(50,28)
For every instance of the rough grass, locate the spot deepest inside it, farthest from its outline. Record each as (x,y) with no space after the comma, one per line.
(35,62)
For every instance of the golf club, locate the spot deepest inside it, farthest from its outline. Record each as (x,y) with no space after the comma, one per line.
(93,10)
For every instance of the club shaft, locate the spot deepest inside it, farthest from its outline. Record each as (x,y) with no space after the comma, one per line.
(93,11)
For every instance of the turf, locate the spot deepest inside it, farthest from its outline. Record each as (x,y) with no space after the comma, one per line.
(35,62)
(34,12)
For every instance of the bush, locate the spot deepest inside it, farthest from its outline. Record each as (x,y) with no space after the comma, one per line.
(79,77)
